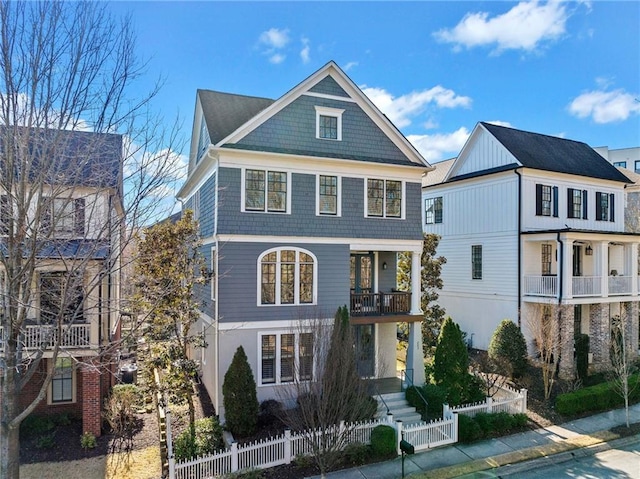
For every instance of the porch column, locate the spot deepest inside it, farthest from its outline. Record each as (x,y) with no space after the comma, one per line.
(91,401)
(603,266)
(632,254)
(415,358)
(566,346)
(416,283)
(567,270)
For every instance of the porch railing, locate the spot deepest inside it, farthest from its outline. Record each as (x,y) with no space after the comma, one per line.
(37,336)
(544,285)
(380,304)
(586,286)
(620,284)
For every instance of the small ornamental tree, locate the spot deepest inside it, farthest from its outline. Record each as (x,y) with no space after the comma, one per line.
(451,362)
(241,406)
(509,347)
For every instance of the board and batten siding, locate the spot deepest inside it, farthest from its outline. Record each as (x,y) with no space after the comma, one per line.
(302,221)
(238,280)
(485,153)
(531,222)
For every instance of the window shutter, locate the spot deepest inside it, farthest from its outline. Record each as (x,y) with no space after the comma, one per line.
(598,206)
(584,204)
(79,216)
(569,202)
(538,199)
(612,208)
(555,201)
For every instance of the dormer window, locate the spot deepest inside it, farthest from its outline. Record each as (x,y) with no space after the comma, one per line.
(328,123)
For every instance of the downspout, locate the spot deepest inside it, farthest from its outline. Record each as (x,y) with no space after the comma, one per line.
(519,248)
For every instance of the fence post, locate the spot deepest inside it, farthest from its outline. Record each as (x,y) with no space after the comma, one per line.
(523,401)
(287,446)
(234,456)
(489,403)
(398,435)
(445,411)
(169,438)
(390,418)
(455,427)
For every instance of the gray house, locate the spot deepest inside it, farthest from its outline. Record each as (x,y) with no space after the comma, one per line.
(303,204)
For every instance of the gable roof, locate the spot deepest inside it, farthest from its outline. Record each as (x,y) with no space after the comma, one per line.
(224,113)
(439,174)
(550,153)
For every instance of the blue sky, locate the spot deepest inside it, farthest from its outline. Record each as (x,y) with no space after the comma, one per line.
(570,69)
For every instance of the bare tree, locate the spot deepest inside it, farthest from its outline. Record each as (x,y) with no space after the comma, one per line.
(622,364)
(542,322)
(83,165)
(326,386)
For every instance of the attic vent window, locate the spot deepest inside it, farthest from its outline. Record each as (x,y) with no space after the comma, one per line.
(328,123)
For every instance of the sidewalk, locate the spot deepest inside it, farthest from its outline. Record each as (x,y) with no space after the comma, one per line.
(461,459)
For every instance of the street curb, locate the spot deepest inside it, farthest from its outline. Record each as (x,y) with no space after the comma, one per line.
(564,447)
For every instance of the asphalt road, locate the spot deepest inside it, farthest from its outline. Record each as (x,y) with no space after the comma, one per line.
(618,460)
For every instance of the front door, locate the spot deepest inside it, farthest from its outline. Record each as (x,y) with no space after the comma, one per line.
(365,341)
(577,260)
(362,273)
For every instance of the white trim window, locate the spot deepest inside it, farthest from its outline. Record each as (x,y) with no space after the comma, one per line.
(384,198)
(266,191)
(433,210)
(328,195)
(287,276)
(62,388)
(285,357)
(328,123)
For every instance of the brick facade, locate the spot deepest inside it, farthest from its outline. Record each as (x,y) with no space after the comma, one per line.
(91,399)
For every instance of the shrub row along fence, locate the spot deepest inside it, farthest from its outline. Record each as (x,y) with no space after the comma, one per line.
(283,449)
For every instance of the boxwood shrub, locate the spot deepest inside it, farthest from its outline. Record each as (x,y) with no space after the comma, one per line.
(596,398)
(383,441)
(485,425)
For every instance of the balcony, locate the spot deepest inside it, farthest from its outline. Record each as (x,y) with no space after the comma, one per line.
(581,286)
(620,285)
(586,286)
(75,336)
(544,285)
(380,304)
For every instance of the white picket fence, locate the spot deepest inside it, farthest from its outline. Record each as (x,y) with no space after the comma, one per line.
(283,449)
(506,400)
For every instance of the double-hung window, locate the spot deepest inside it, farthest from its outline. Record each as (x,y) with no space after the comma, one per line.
(546,200)
(287,276)
(61,297)
(576,203)
(265,191)
(62,380)
(64,216)
(546,258)
(384,198)
(328,123)
(285,358)
(433,210)
(605,206)
(476,261)
(328,200)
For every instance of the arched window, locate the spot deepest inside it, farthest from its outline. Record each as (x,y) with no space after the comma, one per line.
(287,275)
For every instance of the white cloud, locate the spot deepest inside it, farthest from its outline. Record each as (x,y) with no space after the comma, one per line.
(605,106)
(440,146)
(350,65)
(524,27)
(304,53)
(400,110)
(275,38)
(277,58)
(500,123)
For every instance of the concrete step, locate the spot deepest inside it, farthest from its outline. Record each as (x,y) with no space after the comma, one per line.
(398,406)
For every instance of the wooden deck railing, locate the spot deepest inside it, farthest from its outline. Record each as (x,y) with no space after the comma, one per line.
(380,304)
(37,336)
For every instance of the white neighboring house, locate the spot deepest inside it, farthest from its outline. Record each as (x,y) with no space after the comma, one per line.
(628,158)
(525,220)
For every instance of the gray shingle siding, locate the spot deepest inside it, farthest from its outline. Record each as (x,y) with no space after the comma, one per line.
(303,220)
(329,86)
(294,128)
(208,207)
(238,276)
(202,292)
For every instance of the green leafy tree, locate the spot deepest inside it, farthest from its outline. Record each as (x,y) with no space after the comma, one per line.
(167,267)
(451,363)
(431,284)
(240,400)
(509,348)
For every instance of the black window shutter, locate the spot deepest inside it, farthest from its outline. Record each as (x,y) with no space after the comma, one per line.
(555,201)
(79,216)
(569,202)
(538,199)
(612,208)
(584,204)
(598,206)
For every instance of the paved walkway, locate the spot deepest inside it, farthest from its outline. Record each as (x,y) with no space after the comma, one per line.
(462,459)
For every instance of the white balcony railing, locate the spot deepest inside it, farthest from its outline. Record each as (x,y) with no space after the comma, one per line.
(37,336)
(620,284)
(586,286)
(541,285)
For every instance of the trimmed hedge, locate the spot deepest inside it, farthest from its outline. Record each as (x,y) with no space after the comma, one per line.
(383,441)
(596,398)
(485,425)
(436,396)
